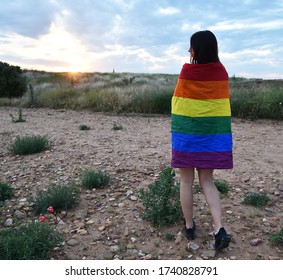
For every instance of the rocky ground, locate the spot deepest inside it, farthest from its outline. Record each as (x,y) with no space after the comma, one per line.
(107,223)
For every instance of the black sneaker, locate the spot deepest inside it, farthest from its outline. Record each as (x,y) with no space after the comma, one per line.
(222,239)
(190,232)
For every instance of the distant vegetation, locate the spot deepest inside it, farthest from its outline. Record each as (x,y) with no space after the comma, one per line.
(12,82)
(139,93)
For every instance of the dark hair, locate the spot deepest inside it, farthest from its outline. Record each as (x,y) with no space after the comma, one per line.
(205,47)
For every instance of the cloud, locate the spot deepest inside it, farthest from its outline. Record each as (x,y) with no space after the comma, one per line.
(29,18)
(246,25)
(168,11)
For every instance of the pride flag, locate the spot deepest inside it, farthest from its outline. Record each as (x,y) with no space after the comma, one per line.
(201,118)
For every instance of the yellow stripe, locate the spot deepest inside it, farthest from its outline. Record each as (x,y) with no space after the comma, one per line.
(201,107)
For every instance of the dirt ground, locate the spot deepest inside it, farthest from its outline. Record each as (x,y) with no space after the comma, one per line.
(107,223)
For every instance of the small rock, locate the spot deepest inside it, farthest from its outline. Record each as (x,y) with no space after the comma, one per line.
(126,232)
(255,242)
(73,242)
(208,254)
(178,239)
(133,198)
(20,215)
(114,249)
(9,222)
(133,239)
(193,246)
(90,222)
(82,232)
(101,228)
(147,257)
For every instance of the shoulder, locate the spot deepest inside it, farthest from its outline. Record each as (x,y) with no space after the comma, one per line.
(214,71)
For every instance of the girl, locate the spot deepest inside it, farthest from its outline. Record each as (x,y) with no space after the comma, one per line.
(201,130)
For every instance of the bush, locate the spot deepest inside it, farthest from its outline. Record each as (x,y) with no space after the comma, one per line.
(59,98)
(33,241)
(276,239)
(30,145)
(84,127)
(257,101)
(256,199)
(222,186)
(161,200)
(117,127)
(5,191)
(59,197)
(95,179)
(12,82)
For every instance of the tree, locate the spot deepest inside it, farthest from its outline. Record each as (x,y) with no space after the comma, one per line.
(12,81)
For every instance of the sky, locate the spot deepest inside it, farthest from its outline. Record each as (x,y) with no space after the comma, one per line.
(140,36)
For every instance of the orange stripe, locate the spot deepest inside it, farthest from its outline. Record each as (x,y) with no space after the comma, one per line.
(202,89)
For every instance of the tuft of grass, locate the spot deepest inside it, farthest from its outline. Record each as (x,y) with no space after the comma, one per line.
(161,200)
(95,179)
(169,236)
(256,199)
(222,186)
(26,145)
(5,191)
(33,241)
(84,127)
(117,127)
(60,197)
(276,239)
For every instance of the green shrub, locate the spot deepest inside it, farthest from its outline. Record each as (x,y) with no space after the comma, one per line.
(222,186)
(256,199)
(276,239)
(257,101)
(5,191)
(117,127)
(12,81)
(84,127)
(33,241)
(161,200)
(59,98)
(30,145)
(60,197)
(95,179)
(169,236)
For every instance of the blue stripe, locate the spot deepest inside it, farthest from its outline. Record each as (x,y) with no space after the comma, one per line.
(201,143)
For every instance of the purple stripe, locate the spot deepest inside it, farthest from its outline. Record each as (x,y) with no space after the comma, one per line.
(210,160)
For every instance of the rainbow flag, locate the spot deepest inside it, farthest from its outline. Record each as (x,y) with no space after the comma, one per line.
(201,118)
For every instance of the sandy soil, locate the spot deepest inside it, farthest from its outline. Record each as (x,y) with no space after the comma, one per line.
(107,224)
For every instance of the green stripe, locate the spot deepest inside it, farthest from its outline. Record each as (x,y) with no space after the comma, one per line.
(200,125)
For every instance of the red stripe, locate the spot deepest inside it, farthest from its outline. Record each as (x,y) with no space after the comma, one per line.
(214,71)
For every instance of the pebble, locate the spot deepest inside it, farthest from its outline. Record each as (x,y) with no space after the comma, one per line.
(73,242)
(255,242)
(193,246)
(9,222)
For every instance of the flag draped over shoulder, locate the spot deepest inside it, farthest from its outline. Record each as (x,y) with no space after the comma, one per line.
(201,118)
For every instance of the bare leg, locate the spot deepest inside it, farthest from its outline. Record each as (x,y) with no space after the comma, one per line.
(211,196)
(186,194)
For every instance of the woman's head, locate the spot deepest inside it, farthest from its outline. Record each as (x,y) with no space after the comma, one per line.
(203,47)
